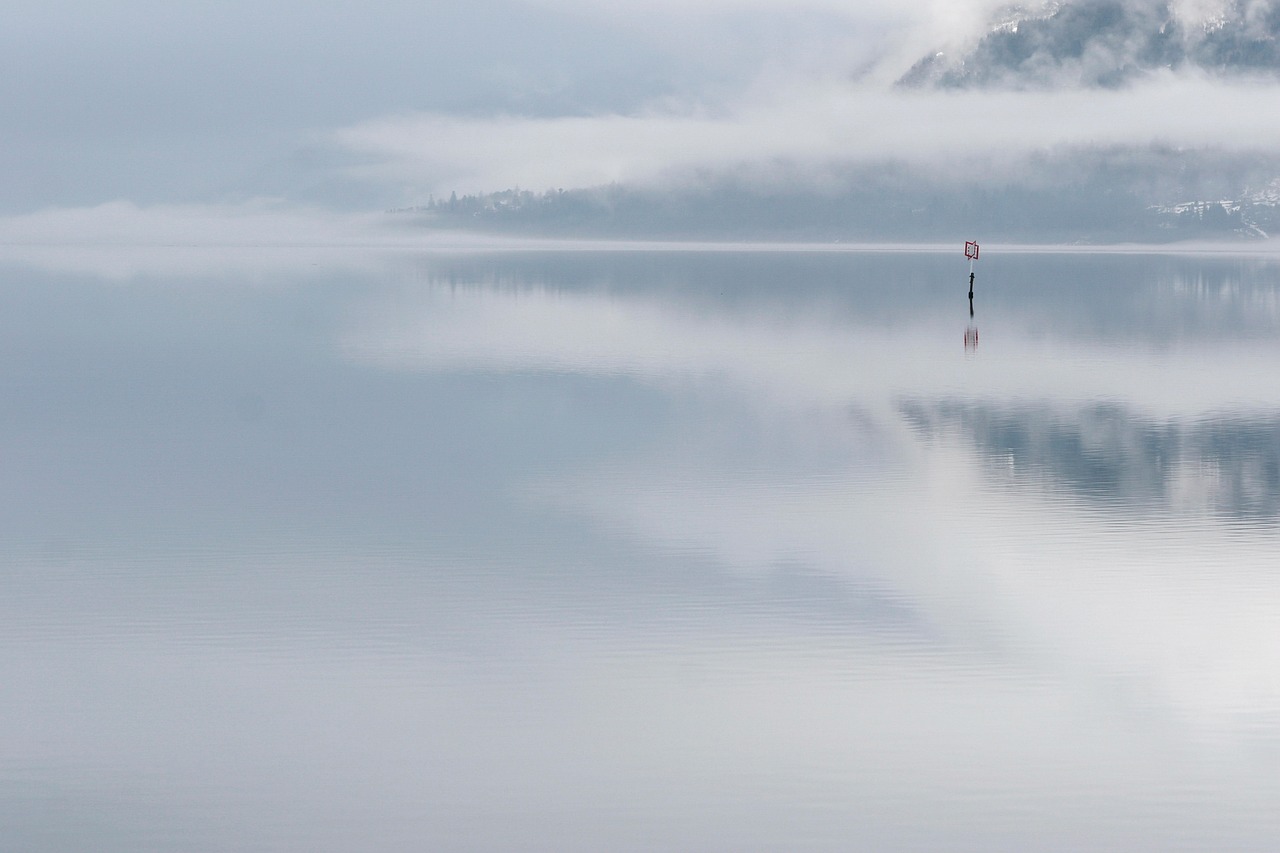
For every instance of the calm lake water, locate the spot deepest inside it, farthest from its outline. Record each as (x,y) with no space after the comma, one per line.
(638,550)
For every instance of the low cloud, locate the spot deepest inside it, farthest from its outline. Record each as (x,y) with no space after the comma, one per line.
(810,124)
(891,32)
(120,239)
(259,222)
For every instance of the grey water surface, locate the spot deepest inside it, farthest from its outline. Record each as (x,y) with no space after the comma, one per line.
(638,550)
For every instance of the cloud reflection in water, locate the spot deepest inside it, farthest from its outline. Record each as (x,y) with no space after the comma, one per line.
(1071,501)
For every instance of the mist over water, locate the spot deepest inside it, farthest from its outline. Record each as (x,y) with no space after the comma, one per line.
(550,550)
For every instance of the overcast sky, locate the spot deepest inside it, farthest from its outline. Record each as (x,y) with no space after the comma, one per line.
(362,106)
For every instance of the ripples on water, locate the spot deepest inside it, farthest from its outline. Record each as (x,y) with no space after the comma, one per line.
(696,551)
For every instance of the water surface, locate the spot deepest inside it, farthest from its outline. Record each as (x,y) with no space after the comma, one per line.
(638,550)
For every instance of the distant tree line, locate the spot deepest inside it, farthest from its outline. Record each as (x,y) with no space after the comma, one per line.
(1100,207)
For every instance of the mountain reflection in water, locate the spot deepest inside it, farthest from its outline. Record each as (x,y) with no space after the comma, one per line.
(1228,466)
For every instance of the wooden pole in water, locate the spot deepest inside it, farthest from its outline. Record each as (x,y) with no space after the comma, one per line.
(971,252)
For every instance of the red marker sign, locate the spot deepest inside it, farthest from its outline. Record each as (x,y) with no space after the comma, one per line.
(971,252)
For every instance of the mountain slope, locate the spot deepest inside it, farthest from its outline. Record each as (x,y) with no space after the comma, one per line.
(1106,43)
